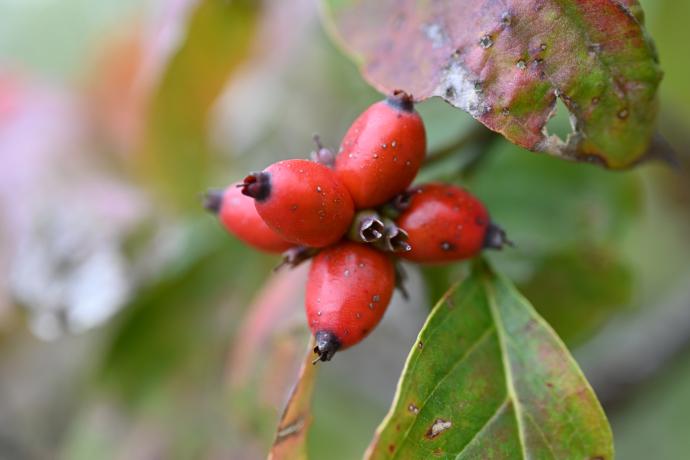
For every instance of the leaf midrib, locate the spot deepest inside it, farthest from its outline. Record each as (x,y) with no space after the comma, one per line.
(507,370)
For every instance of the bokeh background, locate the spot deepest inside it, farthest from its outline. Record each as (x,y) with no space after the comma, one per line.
(133,327)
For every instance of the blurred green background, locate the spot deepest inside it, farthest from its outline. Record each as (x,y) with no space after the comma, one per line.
(132,326)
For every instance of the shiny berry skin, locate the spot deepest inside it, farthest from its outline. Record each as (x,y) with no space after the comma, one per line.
(238,215)
(382,151)
(348,290)
(444,223)
(303,201)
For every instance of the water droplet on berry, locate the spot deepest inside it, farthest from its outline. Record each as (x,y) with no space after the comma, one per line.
(446,246)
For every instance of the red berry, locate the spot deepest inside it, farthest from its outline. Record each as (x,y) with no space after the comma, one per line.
(382,151)
(303,201)
(348,291)
(446,223)
(238,215)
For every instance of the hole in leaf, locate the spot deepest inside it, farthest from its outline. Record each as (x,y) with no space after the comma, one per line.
(559,124)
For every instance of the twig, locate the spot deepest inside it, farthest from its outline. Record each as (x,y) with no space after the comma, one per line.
(478,134)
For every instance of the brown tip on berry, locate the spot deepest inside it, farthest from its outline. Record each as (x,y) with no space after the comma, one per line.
(326,346)
(257,185)
(213,200)
(496,238)
(401,101)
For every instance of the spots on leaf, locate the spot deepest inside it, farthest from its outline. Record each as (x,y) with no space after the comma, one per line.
(438,427)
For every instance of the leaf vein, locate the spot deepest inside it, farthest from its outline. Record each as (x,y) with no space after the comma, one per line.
(465,355)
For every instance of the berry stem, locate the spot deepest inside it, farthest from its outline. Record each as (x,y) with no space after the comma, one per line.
(397,205)
(295,256)
(477,135)
(400,279)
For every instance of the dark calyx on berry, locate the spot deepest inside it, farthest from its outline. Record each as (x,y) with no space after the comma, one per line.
(213,200)
(326,346)
(394,238)
(495,237)
(257,185)
(401,101)
(367,227)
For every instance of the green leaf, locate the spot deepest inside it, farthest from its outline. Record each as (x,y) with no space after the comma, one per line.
(507,65)
(175,153)
(488,378)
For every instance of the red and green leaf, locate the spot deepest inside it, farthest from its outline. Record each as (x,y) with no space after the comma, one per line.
(488,378)
(506,63)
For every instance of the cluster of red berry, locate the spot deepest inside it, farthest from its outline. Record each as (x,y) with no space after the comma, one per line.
(354,214)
